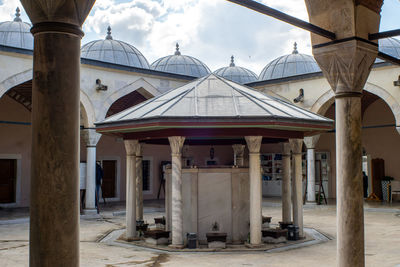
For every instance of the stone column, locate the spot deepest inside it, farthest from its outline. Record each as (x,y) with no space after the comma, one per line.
(139,182)
(286,187)
(131,147)
(297,182)
(91,138)
(254,145)
(346,64)
(54,194)
(176,143)
(238,154)
(310,144)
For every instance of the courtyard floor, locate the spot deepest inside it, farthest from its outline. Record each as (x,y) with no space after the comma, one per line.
(382,231)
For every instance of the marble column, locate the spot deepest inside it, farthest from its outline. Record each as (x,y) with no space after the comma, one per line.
(54,184)
(286,186)
(238,154)
(139,182)
(254,145)
(310,143)
(176,143)
(346,64)
(297,182)
(91,138)
(353,60)
(131,147)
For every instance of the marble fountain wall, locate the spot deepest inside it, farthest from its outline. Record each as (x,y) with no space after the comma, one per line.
(212,195)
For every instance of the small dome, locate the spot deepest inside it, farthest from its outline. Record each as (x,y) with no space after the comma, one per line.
(236,74)
(289,65)
(115,52)
(390,46)
(16,33)
(181,64)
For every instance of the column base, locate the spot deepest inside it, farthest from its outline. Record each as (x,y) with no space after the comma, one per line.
(176,246)
(90,213)
(248,245)
(311,203)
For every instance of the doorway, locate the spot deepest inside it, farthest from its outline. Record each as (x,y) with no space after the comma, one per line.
(108,187)
(8,177)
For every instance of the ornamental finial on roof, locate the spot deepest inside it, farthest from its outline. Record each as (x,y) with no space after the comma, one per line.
(109,37)
(295,49)
(232,62)
(17,15)
(177,52)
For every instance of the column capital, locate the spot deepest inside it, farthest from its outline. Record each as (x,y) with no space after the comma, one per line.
(130,147)
(296,145)
(398,129)
(286,149)
(73,13)
(346,65)
(254,143)
(91,137)
(238,149)
(176,143)
(311,141)
(138,150)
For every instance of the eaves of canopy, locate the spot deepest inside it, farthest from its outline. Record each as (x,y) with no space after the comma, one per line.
(214,108)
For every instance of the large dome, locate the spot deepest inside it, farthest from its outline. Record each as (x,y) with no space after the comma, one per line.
(16,33)
(114,51)
(236,74)
(289,65)
(181,64)
(390,46)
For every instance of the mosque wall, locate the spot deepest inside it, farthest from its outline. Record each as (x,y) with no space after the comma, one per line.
(15,143)
(9,74)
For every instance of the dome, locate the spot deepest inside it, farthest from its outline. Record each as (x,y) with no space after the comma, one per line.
(289,65)
(115,52)
(390,46)
(16,33)
(181,64)
(236,74)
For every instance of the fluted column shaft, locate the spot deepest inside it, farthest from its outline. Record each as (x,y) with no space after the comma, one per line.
(297,177)
(130,147)
(254,145)
(176,143)
(286,187)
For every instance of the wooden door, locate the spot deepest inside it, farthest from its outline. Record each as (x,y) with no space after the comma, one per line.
(7,180)
(109,179)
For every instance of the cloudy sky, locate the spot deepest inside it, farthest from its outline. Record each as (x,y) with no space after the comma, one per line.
(210,30)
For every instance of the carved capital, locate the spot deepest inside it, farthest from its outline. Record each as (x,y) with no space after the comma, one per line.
(311,141)
(238,150)
(69,12)
(346,65)
(91,137)
(139,150)
(296,145)
(374,5)
(131,147)
(286,149)
(176,143)
(254,143)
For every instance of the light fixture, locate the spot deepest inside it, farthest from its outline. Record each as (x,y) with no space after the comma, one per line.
(100,87)
(300,98)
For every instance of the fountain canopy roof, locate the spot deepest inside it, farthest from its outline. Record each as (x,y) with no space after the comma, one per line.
(213,102)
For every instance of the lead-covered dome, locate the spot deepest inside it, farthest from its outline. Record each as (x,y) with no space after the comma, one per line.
(236,74)
(289,65)
(115,52)
(181,64)
(390,46)
(16,33)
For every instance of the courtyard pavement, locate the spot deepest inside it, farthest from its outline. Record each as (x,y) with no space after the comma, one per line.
(382,232)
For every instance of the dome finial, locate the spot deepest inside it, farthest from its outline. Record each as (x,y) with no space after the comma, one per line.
(17,15)
(177,52)
(232,61)
(295,48)
(109,37)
